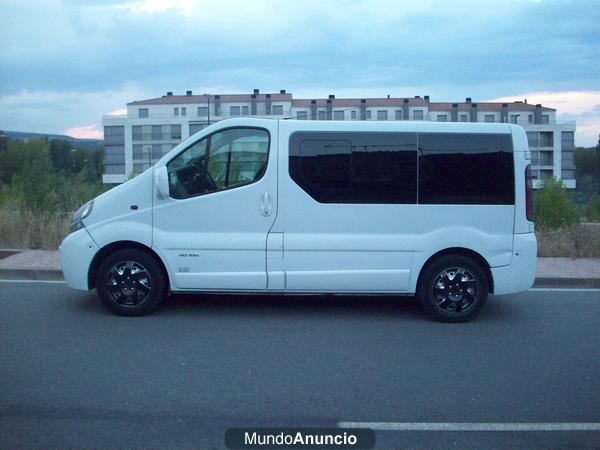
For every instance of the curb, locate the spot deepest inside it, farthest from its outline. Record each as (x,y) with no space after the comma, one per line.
(57,275)
(31,274)
(583,283)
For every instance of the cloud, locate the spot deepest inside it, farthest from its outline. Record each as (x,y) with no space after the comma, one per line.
(95,46)
(581,106)
(54,111)
(570,102)
(448,50)
(118,112)
(85,132)
(157,6)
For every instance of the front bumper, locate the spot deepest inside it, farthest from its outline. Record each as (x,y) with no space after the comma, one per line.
(76,254)
(519,275)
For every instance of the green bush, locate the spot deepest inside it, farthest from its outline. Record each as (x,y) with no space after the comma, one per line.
(552,207)
(592,211)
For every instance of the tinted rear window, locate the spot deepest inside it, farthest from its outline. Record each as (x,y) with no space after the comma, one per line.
(355,167)
(458,168)
(448,168)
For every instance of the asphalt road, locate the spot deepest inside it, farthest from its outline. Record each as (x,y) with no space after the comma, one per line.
(73,375)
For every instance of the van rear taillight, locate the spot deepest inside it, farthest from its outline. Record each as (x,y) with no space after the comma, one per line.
(528,194)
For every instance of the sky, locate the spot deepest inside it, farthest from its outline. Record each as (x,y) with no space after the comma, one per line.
(63,64)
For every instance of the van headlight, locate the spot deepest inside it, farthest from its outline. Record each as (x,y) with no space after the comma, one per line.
(82,213)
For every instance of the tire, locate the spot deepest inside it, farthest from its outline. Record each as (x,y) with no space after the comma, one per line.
(131,282)
(447,299)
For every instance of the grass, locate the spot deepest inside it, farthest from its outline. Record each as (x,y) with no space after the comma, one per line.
(25,229)
(577,241)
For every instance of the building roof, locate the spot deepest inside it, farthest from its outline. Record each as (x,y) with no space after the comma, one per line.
(338,102)
(228,98)
(486,106)
(356,102)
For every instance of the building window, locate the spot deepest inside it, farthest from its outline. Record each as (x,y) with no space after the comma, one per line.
(338,115)
(368,114)
(382,115)
(176,111)
(114,155)
(442,118)
(546,158)
(301,115)
(139,168)
(203,111)
(157,151)
(489,118)
(418,114)
(353,115)
(545,119)
(195,127)
(175,131)
(398,114)
(567,140)
(277,110)
(546,139)
(245,111)
(321,115)
(234,111)
(115,135)
(143,113)
(137,133)
(514,118)
(114,169)
(156,132)
(532,139)
(530,118)
(183,111)
(464,118)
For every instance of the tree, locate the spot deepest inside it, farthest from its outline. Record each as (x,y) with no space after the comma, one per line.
(552,207)
(60,155)
(587,164)
(4,156)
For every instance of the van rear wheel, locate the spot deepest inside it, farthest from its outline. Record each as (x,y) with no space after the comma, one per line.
(453,288)
(130,282)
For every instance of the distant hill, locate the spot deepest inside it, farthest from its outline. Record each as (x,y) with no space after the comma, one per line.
(90,144)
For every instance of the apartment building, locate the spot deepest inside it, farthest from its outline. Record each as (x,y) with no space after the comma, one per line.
(150,128)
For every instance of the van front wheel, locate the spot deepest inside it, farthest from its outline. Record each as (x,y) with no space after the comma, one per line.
(130,282)
(453,288)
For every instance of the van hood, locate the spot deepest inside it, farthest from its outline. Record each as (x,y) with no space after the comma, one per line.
(129,198)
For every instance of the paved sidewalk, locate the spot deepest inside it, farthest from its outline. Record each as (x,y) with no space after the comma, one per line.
(561,272)
(32,265)
(551,272)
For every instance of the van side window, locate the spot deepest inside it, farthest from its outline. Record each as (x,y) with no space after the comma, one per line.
(226,159)
(355,167)
(459,168)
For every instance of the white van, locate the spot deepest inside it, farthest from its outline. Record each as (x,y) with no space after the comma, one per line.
(248,205)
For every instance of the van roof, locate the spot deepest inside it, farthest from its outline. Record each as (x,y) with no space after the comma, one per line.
(374,125)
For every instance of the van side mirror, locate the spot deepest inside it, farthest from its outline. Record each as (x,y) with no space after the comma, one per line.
(161,180)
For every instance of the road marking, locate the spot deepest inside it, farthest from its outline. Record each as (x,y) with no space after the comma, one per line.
(32,281)
(466,426)
(565,289)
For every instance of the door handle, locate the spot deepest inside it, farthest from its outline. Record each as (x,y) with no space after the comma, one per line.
(265,204)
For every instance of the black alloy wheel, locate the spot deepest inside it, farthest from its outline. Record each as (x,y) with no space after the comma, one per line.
(131,282)
(453,288)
